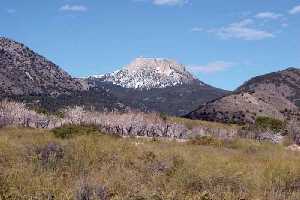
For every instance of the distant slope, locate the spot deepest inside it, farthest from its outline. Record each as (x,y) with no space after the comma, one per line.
(177,100)
(283,84)
(274,95)
(159,85)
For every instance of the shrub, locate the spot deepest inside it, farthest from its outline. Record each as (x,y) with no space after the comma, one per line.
(84,192)
(206,140)
(88,191)
(50,154)
(163,116)
(67,131)
(267,123)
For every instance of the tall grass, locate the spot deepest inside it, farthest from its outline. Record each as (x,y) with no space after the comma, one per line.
(34,164)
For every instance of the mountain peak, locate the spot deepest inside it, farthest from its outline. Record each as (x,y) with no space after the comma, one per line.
(10,45)
(147,73)
(292,69)
(5,39)
(161,65)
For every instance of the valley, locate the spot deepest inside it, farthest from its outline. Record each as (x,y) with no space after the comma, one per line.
(149,100)
(148,131)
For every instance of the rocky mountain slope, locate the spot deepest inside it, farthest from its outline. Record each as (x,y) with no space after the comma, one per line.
(160,85)
(23,72)
(147,73)
(28,77)
(273,95)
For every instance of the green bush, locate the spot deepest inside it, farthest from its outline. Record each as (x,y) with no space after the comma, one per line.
(267,123)
(163,116)
(68,131)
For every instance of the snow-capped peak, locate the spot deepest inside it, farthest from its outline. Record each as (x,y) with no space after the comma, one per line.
(147,73)
(98,76)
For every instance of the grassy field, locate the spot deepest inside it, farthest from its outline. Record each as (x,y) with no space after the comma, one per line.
(34,164)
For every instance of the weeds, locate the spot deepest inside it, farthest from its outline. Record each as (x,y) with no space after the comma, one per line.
(87,191)
(50,154)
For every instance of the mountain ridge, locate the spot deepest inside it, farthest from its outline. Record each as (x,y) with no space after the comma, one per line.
(28,77)
(169,88)
(274,95)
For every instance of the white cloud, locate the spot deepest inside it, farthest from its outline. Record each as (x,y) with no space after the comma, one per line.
(242,30)
(268,15)
(295,10)
(11,11)
(197,29)
(165,2)
(212,67)
(74,8)
(170,2)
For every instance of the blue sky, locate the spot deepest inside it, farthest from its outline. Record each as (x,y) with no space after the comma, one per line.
(224,43)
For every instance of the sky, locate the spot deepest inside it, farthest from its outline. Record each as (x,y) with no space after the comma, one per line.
(223,43)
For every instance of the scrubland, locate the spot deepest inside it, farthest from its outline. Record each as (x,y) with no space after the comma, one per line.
(43,164)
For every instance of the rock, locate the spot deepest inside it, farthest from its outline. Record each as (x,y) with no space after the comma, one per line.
(297,139)
(293,147)
(270,137)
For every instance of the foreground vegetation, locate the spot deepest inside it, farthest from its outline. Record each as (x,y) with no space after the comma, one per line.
(40,164)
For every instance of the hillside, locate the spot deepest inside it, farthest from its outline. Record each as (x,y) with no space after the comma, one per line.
(285,84)
(24,72)
(275,95)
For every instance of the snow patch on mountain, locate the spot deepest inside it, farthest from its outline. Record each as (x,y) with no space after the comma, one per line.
(147,73)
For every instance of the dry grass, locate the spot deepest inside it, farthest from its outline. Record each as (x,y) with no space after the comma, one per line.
(195,123)
(36,165)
